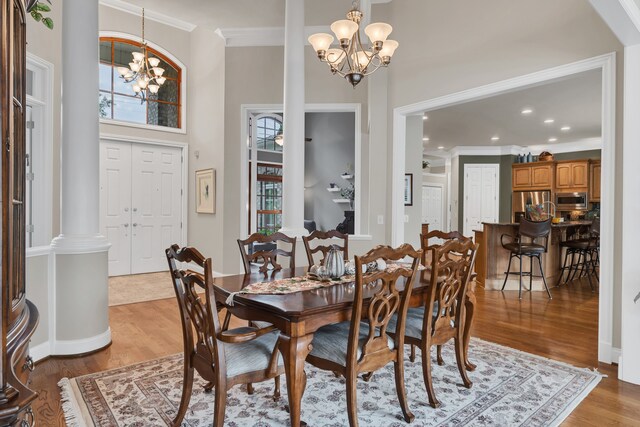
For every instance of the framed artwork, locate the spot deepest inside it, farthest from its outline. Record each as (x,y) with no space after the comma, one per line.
(206,191)
(408,189)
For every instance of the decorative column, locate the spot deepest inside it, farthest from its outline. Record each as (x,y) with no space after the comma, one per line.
(293,126)
(81,311)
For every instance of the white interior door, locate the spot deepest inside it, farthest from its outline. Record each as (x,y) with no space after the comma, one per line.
(156,205)
(432,207)
(115,204)
(480,196)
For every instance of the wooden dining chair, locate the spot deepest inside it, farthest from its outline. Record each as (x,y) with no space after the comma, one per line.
(260,248)
(470,301)
(222,358)
(362,344)
(441,319)
(331,237)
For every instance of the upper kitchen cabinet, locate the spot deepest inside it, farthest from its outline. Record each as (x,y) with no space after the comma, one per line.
(532,176)
(594,181)
(572,175)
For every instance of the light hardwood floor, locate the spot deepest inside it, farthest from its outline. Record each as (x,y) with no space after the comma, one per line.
(564,329)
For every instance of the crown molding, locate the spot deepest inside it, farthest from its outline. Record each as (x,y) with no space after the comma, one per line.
(149,14)
(503,150)
(261,36)
(622,17)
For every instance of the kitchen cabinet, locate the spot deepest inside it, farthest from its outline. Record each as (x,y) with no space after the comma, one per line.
(532,176)
(572,175)
(594,181)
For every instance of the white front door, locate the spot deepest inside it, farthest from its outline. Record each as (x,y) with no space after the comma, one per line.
(140,204)
(115,204)
(480,196)
(156,205)
(432,207)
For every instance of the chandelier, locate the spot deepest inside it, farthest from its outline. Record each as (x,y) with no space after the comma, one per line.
(143,72)
(351,60)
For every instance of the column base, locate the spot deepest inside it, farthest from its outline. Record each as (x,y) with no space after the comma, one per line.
(294,232)
(80,244)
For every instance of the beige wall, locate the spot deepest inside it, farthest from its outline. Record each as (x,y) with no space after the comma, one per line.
(254,76)
(37,280)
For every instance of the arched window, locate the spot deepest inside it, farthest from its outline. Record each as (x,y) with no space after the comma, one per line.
(117,100)
(267,128)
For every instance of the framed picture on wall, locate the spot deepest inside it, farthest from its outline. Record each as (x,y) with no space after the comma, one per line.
(408,189)
(206,191)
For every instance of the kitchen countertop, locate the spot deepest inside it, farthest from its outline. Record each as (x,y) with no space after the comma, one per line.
(558,225)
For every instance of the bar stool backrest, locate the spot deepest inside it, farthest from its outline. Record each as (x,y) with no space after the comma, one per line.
(535,230)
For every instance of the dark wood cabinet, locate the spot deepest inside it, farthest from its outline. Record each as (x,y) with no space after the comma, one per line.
(19,316)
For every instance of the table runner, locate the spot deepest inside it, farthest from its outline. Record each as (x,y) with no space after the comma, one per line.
(302,283)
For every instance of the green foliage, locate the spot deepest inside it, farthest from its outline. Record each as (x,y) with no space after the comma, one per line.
(37,13)
(104,103)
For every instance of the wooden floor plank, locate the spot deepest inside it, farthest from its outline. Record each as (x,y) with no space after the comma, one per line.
(563,329)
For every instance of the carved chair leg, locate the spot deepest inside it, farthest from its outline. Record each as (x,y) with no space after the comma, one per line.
(398,368)
(249,388)
(208,387)
(439,355)
(220,403)
(367,376)
(469,310)
(459,346)
(276,390)
(428,380)
(412,356)
(352,405)
(337,374)
(187,386)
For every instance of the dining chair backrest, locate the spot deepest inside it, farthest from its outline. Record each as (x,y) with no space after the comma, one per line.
(331,237)
(195,314)
(386,301)
(437,234)
(268,256)
(452,262)
(535,230)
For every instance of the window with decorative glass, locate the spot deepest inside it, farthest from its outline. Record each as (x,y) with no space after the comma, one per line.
(267,129)
(117,100)
(269,198)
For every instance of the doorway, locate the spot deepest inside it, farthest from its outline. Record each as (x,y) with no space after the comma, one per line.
(481,190)
(141,199)
(432,206)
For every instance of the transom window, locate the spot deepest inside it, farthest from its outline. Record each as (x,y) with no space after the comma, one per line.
(267,129)
(117,100)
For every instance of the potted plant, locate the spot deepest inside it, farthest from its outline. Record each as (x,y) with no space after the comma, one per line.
(37,9)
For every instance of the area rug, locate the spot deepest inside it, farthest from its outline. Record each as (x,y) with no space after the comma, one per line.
(510,388)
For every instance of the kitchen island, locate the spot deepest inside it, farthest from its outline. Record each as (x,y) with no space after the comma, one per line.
(492,259)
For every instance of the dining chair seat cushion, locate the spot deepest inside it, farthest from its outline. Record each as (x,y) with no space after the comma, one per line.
(525,248)
(331,342)
(250,356)
(415,318)
(261,324)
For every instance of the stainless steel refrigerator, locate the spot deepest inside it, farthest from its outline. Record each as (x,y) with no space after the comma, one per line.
(520,200)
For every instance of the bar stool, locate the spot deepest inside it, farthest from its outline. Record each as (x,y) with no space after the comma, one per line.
(588,251)
(533,230)
(572,234)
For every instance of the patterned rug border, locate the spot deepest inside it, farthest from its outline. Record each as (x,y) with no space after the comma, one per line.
(76,412)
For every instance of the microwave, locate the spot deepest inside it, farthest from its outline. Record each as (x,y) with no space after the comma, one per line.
(572,201)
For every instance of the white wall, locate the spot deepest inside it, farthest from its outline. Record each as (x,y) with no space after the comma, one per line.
(413,165)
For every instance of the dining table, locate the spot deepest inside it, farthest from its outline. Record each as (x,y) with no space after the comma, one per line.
(298,315)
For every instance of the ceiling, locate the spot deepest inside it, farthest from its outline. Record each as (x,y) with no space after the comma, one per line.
(214,14)
(573,101)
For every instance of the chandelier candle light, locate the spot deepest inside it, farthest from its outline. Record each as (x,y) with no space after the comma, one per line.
(143,72)
(351,60)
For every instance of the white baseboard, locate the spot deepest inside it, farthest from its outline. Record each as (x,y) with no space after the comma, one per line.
(40,351)
(85,345)
(616,355)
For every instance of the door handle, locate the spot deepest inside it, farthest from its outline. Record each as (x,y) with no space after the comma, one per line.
(135,209)
(126,225)
(135,224)
(126,209)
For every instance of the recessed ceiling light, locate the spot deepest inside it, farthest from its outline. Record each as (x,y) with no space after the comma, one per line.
(526,111)
(425,117)
(425,139)
(565,128)
(548,121)
(495,138)
(441,148)
(553,139)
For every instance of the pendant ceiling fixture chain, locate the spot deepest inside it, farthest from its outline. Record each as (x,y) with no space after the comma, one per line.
(143,72)
(351,59)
